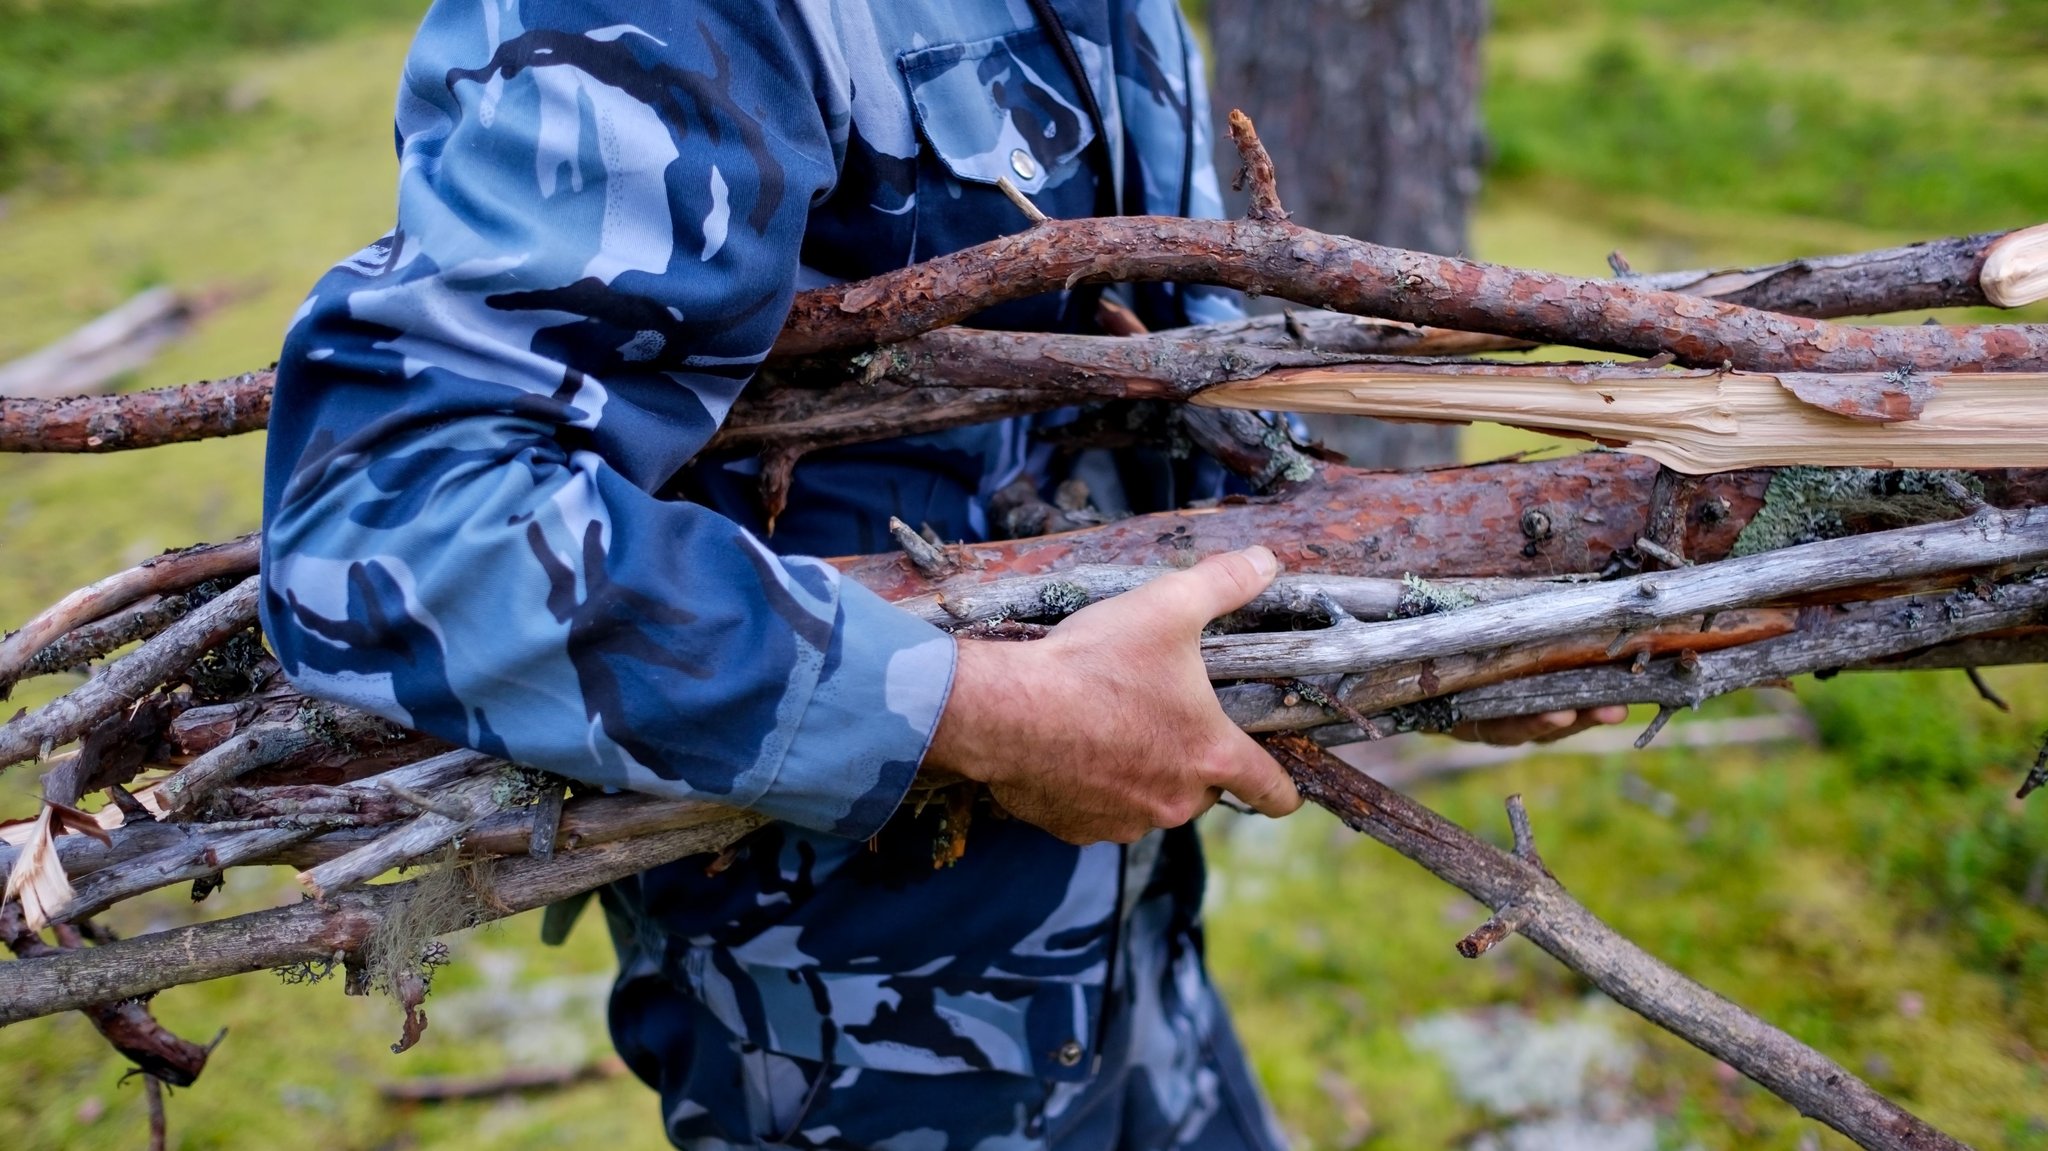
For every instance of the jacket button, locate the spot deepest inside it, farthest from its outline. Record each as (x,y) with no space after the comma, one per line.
(1022,164)
(1070,1054)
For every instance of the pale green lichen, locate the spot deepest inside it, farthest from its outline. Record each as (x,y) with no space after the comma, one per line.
(1420,597)
(1061,598)
(1804,504)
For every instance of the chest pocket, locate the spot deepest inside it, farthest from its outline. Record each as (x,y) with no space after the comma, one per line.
(1002,107)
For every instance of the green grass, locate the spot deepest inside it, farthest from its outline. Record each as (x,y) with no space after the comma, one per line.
(1918,116)
(85,84)
(1827,889)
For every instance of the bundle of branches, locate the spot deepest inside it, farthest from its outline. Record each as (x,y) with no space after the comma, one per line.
(1413,601)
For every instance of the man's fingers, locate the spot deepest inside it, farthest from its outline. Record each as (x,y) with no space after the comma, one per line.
(1217,586)
(1247,772)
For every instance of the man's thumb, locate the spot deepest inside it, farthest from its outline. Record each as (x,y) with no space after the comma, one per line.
(1220,584)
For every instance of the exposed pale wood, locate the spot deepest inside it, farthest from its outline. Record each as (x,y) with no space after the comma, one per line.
(457,808)
(2016,269)
(1695,422)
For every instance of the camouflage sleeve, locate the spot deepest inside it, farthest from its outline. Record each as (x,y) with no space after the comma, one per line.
(600,210)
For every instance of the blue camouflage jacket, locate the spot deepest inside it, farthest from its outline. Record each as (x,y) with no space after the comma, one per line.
(483,421)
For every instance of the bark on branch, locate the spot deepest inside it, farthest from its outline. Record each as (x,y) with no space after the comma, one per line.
(1946,273)
(1278,258)
(1518,887)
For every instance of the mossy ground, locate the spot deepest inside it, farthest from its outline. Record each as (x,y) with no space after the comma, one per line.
(1872,895)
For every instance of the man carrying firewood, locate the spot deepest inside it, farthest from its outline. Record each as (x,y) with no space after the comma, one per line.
(488,518)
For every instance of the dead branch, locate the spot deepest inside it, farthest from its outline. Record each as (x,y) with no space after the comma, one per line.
(171,572)
(124,1022)
(1525,897)
(162,658)
(1989,540)
(200,411)
(1947,273)
(1912,633)
(450,1088)
(91,358)
(311,933)
(1282,259)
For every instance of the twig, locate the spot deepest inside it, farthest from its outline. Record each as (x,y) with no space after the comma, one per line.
(1984,690)
(1663,716)
(96,640)
(159,1127)
(1256,169)
(1661,554)
(155,662)
(1022,201)
(2037,776)
(927,556)
(308,933)
(453,1088)
(1521,891)
(172,571)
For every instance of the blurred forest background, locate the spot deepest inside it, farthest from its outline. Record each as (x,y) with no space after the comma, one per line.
(1873,888)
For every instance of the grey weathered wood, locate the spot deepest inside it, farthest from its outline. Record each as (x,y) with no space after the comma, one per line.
(307,932)
(456,809)
(1986,540)
(197,857)
(1913,632)
(154,663)
(1060,592)
(174,571)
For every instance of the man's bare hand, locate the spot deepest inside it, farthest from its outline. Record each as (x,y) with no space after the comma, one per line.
(1108,727)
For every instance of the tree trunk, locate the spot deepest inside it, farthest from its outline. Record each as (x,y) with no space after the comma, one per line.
(1370,110)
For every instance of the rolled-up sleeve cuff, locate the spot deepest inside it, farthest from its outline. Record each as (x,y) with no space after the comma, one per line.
(858,744)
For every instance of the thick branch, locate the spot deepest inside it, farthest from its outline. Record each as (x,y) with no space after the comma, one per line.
(1278,258)
(137,419)
(1544,912)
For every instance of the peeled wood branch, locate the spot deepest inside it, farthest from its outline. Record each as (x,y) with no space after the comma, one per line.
(1696,422)
(1522,889)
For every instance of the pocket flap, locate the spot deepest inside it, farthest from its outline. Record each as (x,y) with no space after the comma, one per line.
(1004,107)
